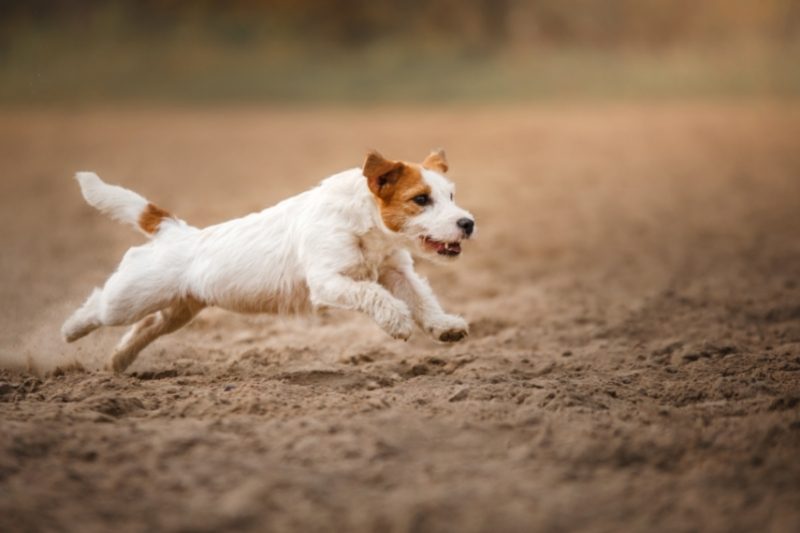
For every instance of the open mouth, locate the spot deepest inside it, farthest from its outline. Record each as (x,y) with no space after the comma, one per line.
(450,249)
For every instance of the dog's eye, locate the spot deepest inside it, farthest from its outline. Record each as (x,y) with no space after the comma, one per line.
(421,199)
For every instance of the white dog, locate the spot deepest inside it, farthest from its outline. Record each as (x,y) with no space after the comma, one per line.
(346,243)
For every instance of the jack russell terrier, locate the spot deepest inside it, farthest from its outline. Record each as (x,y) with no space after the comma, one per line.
(347,243)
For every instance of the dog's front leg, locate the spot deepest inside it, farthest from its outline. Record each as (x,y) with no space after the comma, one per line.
(336,290)
(401,280)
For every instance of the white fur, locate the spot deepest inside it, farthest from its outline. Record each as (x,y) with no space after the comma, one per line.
(327,246)
(120,204)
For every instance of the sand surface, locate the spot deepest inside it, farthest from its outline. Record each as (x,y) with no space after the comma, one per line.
(633,364)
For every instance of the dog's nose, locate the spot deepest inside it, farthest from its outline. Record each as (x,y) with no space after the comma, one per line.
(467,224)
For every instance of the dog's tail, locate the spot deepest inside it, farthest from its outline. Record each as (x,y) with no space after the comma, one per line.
(121,204)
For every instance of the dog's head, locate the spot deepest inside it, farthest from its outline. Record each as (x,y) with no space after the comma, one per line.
(417,203)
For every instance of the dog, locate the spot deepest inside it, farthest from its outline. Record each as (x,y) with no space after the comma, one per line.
(347,243)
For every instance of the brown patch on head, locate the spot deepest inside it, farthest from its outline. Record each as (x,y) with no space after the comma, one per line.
(394,184)
(436,161)
(151,218)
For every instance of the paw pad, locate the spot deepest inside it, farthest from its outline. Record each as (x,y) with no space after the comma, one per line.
(452,335)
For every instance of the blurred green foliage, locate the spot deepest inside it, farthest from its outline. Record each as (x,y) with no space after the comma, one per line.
(399,51)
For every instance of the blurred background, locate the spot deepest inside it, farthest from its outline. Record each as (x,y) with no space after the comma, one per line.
(634,353)
(395,50)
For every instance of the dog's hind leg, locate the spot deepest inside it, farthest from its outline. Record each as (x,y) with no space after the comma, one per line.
(115,306)
(140,286)
(149,329)
(85,319)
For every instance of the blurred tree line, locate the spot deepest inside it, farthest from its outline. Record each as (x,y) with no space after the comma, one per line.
(357,50)
(482,24)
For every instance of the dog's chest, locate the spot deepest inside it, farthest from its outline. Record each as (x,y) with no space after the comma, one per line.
(374,253)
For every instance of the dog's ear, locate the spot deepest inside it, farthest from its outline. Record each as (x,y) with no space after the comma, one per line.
(437,161)
(381,173)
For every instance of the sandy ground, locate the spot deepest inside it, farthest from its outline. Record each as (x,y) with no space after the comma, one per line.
(634,362)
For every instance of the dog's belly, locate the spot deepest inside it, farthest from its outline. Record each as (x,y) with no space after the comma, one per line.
(293,298)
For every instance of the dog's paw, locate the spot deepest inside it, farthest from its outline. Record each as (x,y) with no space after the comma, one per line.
(402,330)
(76,328)
(120,360)
(398,323)
(448,328)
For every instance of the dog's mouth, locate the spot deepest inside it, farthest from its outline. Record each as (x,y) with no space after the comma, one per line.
(449,249)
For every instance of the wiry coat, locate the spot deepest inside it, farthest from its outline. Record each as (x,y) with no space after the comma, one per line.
(346,243)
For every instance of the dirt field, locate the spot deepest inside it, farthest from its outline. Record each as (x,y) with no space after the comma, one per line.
(633,364)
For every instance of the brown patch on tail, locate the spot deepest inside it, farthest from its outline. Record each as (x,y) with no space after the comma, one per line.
(151,217)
